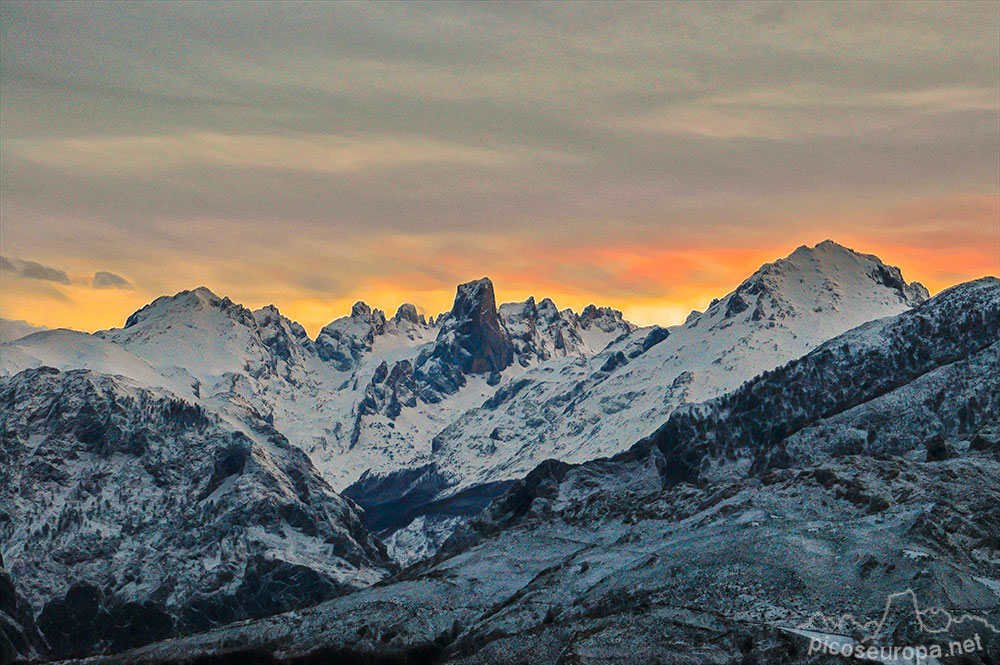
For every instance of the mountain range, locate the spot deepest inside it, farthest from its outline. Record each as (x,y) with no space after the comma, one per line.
(500,483)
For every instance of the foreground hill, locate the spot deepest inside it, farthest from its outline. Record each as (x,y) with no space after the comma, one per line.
(128,514)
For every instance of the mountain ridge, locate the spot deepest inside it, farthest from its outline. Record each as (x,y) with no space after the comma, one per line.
(481,393)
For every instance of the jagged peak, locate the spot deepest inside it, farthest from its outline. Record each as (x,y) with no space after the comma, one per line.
(472,339)
(473,296)
(548,305)
(361,310)
(518,308)
(604,318)
(544,308)
(269,309)
(477,289)
(269,315)
(592,311)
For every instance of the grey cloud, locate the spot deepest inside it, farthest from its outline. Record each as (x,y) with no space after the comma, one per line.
(109,280)
(533,78)
(32,270)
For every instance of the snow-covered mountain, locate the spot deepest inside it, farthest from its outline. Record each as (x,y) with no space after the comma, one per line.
(589,407)
(585,406)
(446,412)
(868,466)
(149,486)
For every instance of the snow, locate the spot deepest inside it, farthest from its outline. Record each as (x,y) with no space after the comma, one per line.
(574,412)
(68,349)
(994,585)
(585,386)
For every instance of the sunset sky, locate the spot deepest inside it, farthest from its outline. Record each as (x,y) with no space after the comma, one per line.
(646,156)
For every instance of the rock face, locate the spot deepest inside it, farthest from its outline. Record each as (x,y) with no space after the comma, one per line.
(390,390)
(540,332)
(171,518)
(604,319)
(19,639)
(344,341)
(286,339)
(408,322)
(473,338)
(744,520)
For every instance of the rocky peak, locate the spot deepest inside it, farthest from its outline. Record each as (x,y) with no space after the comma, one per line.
(270,317)
(361,311)
(344,341)
(539,332)
(408,313)
(286,338)
(474,338)
(409,323)
(604,318)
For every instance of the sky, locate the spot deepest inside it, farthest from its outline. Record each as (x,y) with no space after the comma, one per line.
(646,156)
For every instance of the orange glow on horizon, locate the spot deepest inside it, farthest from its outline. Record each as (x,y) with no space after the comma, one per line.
(649,284)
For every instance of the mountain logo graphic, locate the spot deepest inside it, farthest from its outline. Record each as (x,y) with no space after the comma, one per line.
(933,620)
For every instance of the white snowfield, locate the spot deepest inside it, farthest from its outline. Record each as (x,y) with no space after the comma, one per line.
(580,386)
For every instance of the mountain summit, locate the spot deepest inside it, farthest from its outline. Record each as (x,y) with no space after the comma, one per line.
(473,337)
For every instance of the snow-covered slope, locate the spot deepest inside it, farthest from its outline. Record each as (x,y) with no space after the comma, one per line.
(69,349)
(581,408)
(210,336)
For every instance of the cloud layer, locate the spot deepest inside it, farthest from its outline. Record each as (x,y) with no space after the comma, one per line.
(641,154)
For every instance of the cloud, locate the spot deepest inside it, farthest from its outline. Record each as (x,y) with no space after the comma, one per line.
(317,153)
(109,280)
(809,112)
(32,270)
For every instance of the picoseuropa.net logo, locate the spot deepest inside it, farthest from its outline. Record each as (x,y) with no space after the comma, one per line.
(833,634)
